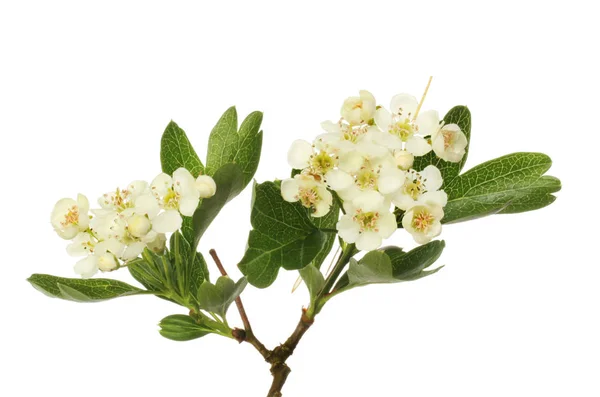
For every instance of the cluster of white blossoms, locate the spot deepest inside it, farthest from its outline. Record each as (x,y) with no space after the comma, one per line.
(128,220)
(366,158)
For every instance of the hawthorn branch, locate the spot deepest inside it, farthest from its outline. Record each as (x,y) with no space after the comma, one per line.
(242,335)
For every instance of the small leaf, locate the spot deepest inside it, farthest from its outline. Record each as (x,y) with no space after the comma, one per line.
(179,327)
(283,236)
(509,184)
(218,297)
(190,267)
(391,265)
(314,280)
(229,181)
(374,268)
(176,151)
(228,145)
(82,290)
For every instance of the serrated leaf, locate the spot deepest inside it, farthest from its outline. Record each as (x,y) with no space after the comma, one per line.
(176,151)
(229,181)
(461,116)
(509,184)
(314,280)
(228,145)
(283,236)
(218,297)
(179,327)
(82,290)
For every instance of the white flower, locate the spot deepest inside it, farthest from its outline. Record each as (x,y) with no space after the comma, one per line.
(341,136)
(70,217)
(420,187)
(367,221)
(360,109)
(120,200)
(404,160)
(449,143)
(87,267)
(372,173)
(177,195)
(206,186)
(83,244)
(400,128)
(422,221)
(310,192)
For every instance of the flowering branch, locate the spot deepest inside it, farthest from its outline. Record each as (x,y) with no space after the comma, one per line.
(374,171)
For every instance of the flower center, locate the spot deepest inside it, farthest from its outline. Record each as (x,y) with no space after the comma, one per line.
(367,220)
(448,138)
(403,129)
(321,163)
(422,221)
(308,197)
(71,217)
(119,200)
(367,179)
(171,200)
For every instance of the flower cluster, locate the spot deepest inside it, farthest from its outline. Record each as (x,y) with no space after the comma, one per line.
(128,220)
(366,159)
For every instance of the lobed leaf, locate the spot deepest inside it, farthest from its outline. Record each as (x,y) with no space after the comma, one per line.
(218,297)
(283,236)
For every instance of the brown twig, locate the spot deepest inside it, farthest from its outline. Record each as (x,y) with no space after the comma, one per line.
(247,335)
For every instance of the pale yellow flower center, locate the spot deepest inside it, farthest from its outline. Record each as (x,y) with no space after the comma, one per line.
(403,129)
(422,221)
(308,197)
(448,138)
(367,178)
(322,163)
(71,217)
(171,199)
(367,220)
(120,200)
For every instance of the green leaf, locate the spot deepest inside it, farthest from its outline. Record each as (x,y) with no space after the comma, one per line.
(176,151)
(218,297)
(461,116)
(230,182)
(283,236)
(391,265)
(82,290)
(509,184)
(374,268)
(179,327)
(314,280)
(228,145)
(190,266)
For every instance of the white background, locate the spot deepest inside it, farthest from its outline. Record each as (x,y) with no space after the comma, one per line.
(86,89)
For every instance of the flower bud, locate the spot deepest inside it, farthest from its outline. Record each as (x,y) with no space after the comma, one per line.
(107,262)
(206,186)
(138,225)
(404,159)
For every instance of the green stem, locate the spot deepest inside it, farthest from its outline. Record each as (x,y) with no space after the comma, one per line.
(347,252)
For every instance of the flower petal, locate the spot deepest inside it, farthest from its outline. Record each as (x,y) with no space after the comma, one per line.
(417,145)
(404,105)
(289,190)
(432,178)
(387,224)
(167,222)
(299,154)
(428,122)
(368,241)
(338,180)
(161,184)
